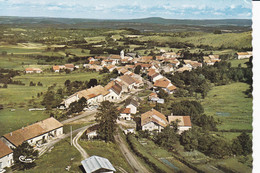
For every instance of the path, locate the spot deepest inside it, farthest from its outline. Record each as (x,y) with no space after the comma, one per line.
(130,157)
(77,146)
(51,143)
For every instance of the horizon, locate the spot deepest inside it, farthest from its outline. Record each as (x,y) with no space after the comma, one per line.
(120,9)
(125,19)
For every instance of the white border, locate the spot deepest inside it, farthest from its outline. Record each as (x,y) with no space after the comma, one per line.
(256,85)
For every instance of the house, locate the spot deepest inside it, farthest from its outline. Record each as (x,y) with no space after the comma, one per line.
(168,68)
(69,67)
(95,67)
(96,164)
(125,114)
(115,90)
(153,120)
(184,122)
(184,68)
(115,58)
(93,95)
(128,81)
(6,156)
(243,55)
(33,70)
(211,59)
(192,64)
(165,84)
(170,55)
(56,69)
(156,76)
(34,134)
(132,104)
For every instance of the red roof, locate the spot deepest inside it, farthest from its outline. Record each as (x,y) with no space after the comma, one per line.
(126,111)
(4,149)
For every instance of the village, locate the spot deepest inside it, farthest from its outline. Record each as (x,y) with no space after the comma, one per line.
(135,74)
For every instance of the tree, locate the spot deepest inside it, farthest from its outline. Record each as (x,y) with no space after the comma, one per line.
(106,118)
(167,138)
(137,69)
(104,70)
(27,151)
(189,140)
(32,84)
(67,83)
(242,145)
(77,106)
(92,83)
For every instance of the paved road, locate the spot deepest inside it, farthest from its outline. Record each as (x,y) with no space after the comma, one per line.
(130,157)
(75,143)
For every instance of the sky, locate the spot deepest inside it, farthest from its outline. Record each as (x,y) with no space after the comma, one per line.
(129,9)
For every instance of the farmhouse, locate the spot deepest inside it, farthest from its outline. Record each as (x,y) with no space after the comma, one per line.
(93,96)
(6,156)
(243,55)
(153,120)
(184,122)
(33,70)
(96,164)
(36,133)
(69,67)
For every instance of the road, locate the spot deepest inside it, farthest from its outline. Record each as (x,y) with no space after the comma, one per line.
(84,114)
(77,146)
(50,144)
(130,157)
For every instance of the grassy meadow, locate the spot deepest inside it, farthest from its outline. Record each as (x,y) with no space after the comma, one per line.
(230,105)
(69,156)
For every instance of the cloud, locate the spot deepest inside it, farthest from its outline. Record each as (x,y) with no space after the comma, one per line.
(54,8)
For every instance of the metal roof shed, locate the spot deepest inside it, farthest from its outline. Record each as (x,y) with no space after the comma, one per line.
(96,164)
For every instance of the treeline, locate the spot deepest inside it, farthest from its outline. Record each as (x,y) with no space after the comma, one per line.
(216,147)
(7,75)
(199,80)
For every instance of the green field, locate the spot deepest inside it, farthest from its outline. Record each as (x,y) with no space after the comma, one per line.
(238,40)
(21,94)
(230,105)
(156,154)
(61,156)
(107,150)
(10,121)
(236,62)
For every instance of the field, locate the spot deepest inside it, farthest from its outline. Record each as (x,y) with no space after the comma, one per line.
(230,105)
(215,40)
(236,62)
(107,150)
(10,121)
(159,156)
(69,156)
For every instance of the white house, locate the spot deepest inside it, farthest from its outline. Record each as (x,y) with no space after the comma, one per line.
(125,114)
(153,120)
(93,95)
(6,156)
(128,81)
(36,133)
(184,122)
(157,76)
(33,70)
(115,91)
(96,164)
(243,55)
(132,104)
